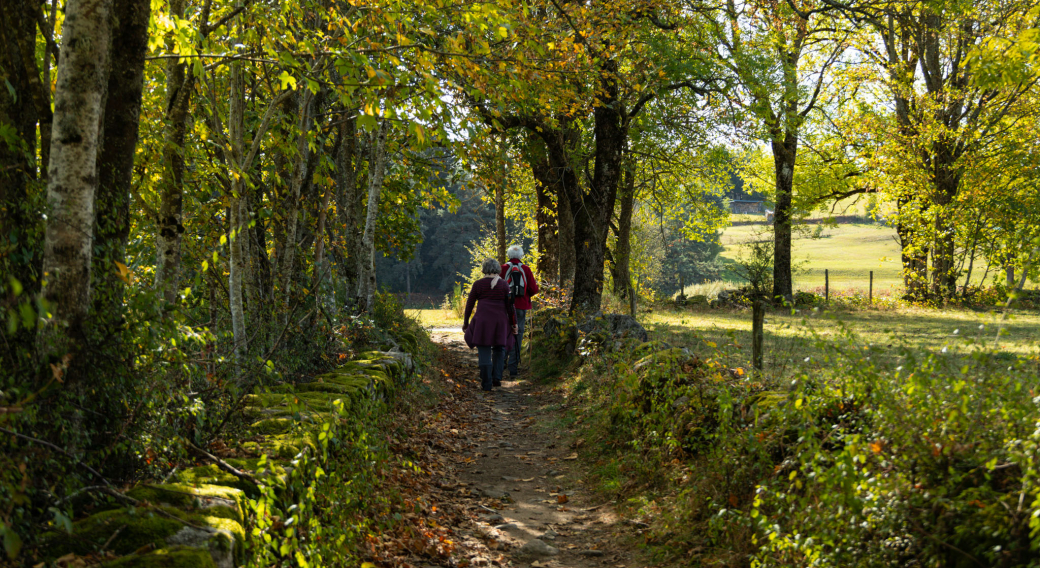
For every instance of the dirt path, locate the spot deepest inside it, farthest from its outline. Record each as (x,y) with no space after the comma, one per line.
(516,479)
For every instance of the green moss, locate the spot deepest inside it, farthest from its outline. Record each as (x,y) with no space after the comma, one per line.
(173,557)
(329,387)
(410,338)
(321,401)
(286,446)
(231,526)
(270,426)
(379,375)
(139,529)
(353,379)
(253,465)
(267,400)
(213,500)
(213,475)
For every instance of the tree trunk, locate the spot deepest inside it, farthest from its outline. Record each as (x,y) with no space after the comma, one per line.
(565,226)
(238,225)
(559,143)
(19,192)
(913,254)
(319,255)
(545,216)
(500,209)
(946,181)
(592,212)
(170,224)
(300,178)
(785,153)
(263,280)
(376,170)
(122,118)
(79,105)
(349,203)
(621,272)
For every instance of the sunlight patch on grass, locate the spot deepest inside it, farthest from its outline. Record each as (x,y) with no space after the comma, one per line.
(791,338)
(849,251)
(429,318)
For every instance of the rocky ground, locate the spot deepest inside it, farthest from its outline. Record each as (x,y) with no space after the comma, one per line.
(508,479)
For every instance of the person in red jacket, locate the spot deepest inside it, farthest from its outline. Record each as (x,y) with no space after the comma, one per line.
(521,302)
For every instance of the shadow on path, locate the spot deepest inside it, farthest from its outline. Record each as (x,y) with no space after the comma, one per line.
(518,478)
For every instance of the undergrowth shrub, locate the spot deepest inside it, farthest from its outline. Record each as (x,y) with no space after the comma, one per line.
(861,457)
(939,470)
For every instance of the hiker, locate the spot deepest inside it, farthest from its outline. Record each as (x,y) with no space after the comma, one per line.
(522,285)
(494,325)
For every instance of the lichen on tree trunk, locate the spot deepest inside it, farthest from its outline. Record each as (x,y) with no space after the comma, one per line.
(79,104)
(367,258)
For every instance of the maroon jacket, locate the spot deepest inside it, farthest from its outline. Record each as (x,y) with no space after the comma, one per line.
(523,302)
(492,325)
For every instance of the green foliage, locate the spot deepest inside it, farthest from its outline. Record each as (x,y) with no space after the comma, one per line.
(755,265)
(932,462)
(865,456)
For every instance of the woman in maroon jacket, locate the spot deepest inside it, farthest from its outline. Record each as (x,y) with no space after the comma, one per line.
(494,325)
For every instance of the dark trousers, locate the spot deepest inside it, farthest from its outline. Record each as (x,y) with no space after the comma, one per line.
(491,362)
(514,355)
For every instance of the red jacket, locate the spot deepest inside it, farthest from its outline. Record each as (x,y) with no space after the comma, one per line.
(523,302)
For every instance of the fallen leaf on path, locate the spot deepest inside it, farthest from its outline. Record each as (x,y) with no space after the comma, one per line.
(572,457)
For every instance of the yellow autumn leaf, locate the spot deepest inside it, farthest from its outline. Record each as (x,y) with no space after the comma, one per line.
(123,271)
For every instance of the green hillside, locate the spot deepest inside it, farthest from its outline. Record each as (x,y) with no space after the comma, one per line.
(849,251)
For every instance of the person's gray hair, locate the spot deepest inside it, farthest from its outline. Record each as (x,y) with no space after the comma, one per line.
(515,251)
(491,266)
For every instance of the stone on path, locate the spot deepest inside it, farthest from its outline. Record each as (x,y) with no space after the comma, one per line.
(536,549)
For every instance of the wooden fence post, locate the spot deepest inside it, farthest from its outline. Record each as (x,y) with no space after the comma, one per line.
(870,296)
(757,319)
(826,286)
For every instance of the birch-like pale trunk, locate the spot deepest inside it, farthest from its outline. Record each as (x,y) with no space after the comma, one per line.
(376,171)
(299,178)
(237,233)
(79,103)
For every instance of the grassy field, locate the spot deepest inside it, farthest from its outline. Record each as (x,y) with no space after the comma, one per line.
(435,318)
(849,251)
(791,338)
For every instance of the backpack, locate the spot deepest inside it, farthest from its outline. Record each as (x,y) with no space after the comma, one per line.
(517,280)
